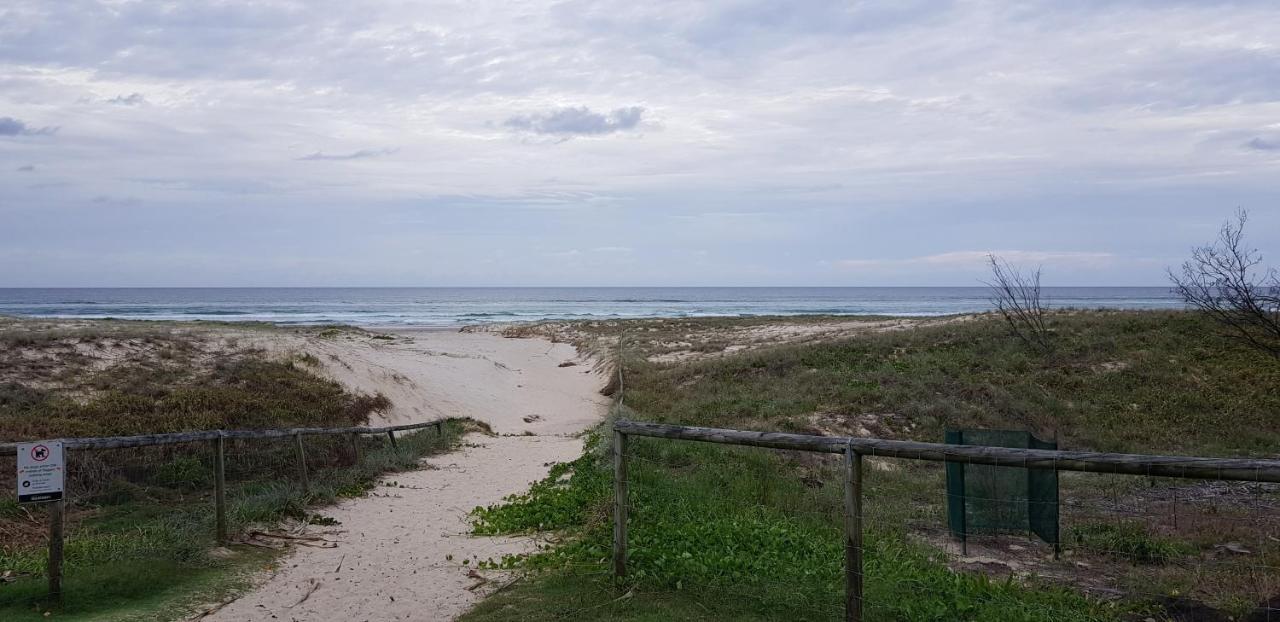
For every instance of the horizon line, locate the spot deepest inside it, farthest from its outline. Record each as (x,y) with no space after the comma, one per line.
(981,286)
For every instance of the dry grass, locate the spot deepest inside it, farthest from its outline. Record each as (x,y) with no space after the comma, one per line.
(1114,381)
(140,525)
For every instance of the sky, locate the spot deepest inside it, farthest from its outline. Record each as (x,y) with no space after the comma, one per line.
(616,142)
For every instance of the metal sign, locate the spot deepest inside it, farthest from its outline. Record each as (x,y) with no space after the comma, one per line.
(40,471)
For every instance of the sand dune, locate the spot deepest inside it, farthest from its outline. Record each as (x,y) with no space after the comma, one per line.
(400,553)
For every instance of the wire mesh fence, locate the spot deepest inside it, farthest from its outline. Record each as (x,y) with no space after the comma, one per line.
(153,501)
(775,528)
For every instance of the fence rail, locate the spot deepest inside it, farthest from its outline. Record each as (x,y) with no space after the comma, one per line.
(176,438)
(218,439)
(1237,469)
(854,449)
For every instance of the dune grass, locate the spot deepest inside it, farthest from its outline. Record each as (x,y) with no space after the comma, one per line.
(726,533)
(241,392)
(147,550)
(1122,381)
(729,533)
(140,525)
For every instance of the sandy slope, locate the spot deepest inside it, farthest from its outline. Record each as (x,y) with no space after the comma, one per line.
(392,559)
(433,373)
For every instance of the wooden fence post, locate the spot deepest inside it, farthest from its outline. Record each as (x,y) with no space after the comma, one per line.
(302,463)
(440,428)
(391,436)
(853,534)
(355,448)
(220,488)
(619,504)
(55,549)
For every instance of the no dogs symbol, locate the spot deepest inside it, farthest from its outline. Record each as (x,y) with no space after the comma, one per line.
(40,471)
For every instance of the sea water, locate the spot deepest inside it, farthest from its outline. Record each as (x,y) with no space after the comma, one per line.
(458,306)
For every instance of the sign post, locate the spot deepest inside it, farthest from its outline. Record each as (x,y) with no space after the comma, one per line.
(41,471)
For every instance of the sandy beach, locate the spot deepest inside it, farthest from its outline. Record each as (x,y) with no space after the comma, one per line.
(400,550)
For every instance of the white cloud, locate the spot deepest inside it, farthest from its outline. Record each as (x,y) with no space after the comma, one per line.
(354,155)
(579,121)
(10,126)
(893,127)
(979,259)
(132,99)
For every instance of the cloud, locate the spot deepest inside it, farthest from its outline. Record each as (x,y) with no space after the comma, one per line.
(106,199)
(792,133)
(10,126)
(969,259)
(354,155)
(132,99)
(27,168)
(1263,144)
(580,121)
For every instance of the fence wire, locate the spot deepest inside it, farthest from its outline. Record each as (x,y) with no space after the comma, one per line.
(148,508)
(766,527)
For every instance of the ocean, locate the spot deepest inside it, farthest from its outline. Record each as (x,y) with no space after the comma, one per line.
(442,307)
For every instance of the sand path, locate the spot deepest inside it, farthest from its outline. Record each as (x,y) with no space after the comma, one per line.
(392,560)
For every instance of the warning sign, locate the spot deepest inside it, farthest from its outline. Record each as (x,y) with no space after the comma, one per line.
(40,471)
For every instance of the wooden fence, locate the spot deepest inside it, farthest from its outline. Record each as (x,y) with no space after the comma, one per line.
(218,438)
(854,449)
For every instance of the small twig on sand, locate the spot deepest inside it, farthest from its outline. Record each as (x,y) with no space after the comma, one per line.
(285,536)
(214,609)
(339,568)
(315,585)
(480,580)
(506,585)
(261,545)
(319,545)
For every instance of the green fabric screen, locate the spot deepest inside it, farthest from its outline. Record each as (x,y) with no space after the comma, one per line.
(984,499)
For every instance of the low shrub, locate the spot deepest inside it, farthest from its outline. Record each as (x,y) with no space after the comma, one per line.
(1127,540)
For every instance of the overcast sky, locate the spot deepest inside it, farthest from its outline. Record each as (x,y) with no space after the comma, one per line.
(629,143)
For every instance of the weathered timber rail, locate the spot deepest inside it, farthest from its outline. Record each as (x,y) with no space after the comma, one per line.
(176,438)
(853,450)
(1192,467)
(218,439)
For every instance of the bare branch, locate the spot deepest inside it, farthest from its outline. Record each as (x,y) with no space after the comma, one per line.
(1017,296)
(1225,281)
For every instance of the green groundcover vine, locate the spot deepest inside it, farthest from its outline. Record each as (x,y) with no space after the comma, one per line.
(699,523)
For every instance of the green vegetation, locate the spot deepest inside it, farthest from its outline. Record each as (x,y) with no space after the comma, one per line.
(140,530)
(729,533)
(132,590)
(167,529)
(1154,382)
(240,393)
(721,533)
(1129,540)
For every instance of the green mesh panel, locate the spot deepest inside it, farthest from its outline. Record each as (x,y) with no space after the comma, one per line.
(983,499)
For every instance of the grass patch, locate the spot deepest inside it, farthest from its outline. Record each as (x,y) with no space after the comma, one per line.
(724,533)
(139,589)
(1127,540)
(720,533)
(1117,381)
(152,528)
(244,393)
(140,530)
